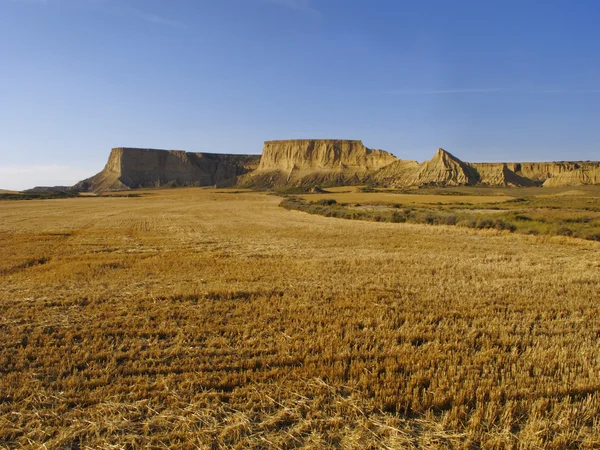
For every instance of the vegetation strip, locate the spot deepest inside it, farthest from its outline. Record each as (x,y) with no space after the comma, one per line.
(525,218)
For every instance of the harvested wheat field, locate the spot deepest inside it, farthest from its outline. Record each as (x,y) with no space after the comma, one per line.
(193,318)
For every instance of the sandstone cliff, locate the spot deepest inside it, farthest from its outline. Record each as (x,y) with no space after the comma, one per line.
(586,173)
(398,173)
(129,168)
(323,162)
(316,161)
(445,169)
(502,174)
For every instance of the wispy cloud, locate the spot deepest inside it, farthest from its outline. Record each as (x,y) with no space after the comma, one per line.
(490,90)
(442,91)
(159,20)
(150,17)
(560,91)
(298,5)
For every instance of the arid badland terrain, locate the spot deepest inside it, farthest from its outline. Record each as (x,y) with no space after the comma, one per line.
(324,162)
(215,318)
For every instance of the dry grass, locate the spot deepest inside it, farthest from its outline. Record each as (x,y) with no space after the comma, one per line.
(197,319)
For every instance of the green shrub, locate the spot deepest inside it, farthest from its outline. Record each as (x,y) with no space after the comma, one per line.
(578,220)
(449,220)
(429,219)
(327,202)
(484,224)
(503,225)
(564,231)
(398,217)
(467,223)
(523,218)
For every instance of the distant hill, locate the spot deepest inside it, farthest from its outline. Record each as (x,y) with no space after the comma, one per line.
(50,189)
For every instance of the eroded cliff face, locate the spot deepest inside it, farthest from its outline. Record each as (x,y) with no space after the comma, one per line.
(398,173)
(323,162)
(501,174)
(561,173)
(318,154)
(317,161)
(542,171)
(587,173)
(444,169)
(130,168)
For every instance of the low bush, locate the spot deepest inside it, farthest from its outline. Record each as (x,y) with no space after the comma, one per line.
(536,222)
(327,202)
(564,231)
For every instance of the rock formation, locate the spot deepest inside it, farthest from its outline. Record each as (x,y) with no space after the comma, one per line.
(398,173)
(587,173)
(316,161)
(501,174)
(445,169)
(129,168)
(323,162)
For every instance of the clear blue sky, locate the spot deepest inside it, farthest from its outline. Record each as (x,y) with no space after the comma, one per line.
(485,79)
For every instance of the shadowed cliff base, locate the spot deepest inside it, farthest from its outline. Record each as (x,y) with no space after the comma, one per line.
(131,168)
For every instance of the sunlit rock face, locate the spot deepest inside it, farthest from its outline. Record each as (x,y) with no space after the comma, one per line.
(444,169)
(323,162)
(317,161)
(587,173)
(316,154)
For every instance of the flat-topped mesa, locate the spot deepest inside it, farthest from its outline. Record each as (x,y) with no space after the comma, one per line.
(129,168)
(318,154)
(316,162)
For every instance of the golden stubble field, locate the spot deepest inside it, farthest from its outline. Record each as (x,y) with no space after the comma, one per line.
(194,318)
